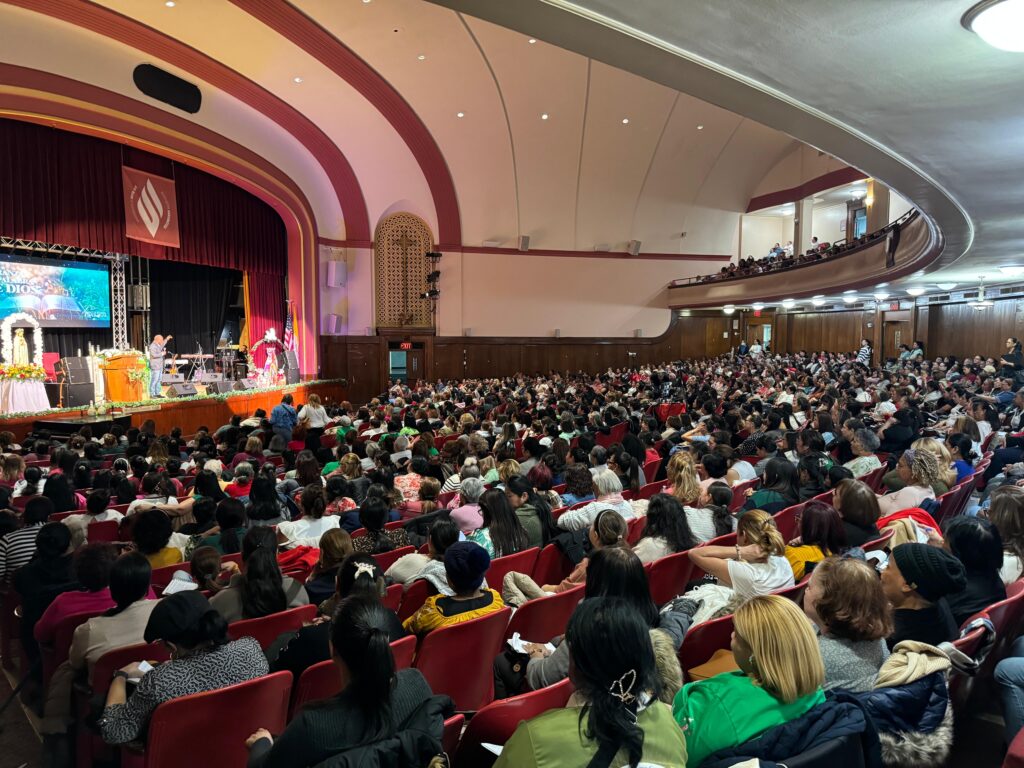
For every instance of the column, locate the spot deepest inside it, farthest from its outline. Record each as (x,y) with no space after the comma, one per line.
(877,202)
(803,225)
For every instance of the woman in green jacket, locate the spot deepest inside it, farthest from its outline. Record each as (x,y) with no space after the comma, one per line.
(780,678)
(614,718)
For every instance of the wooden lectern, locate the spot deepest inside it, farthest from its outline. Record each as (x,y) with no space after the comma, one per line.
(116,384)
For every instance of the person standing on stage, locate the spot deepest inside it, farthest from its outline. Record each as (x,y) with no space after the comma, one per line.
(157,350)
(283,418)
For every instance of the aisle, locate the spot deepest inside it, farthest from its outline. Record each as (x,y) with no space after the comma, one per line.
(20,744)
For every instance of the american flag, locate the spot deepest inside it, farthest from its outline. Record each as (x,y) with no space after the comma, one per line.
(289,331)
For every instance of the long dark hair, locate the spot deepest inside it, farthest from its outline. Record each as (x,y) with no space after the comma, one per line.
(230,517)
(520,485)
(367,582)
(507,534)
(613,663)
(821,525)
(359,638)
(630,468)
(58,490)
(262,589)
(780,475)
(666,519)
(207,485)
(129,580)
(618,572)
(264,503)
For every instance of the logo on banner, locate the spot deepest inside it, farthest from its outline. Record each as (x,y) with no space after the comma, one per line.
(149,208)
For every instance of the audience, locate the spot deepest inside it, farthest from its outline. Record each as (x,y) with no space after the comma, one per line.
(976,543)
(260,589)
(821,535)
(465,564)
(666,529)
(916,582)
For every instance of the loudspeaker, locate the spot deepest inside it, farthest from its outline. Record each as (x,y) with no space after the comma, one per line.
(75,370)
(240,369)
(337,274)
(289,363)
(181,390)
(524,242)
(173,378)
(220,387)
(78,395)
(634,247)
(333,324)
(168,88)
(53,392)
(243,384)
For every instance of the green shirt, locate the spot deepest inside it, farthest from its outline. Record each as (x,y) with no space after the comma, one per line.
(728,710)
(329,467)
(530,521)
(555,740)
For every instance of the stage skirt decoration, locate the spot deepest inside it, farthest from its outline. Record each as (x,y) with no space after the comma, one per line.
(17,396)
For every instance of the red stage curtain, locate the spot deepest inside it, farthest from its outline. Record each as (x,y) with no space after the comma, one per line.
(265,310)
(65,188)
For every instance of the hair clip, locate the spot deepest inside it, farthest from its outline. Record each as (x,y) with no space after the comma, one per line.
(623,692)
(366,568)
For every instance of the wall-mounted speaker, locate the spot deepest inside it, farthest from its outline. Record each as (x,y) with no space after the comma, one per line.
(524,242)
(638,332)
(558,333)
(337,274)
(634,248)
(170,89)
(467,331)
(333,323)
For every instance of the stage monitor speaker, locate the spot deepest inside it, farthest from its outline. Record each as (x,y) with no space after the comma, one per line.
(173,378)
(170,89)
(220,387)
(289,363)
(243,384)
(181,390)
(78,395)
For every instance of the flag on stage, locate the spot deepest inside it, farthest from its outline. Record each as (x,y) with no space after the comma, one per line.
(289,330)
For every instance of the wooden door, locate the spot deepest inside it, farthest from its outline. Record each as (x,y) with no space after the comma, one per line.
(414,365)
(894,334)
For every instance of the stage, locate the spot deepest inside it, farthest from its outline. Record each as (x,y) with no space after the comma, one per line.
(211,411)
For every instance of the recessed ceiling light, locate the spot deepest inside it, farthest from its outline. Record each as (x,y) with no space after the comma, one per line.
(532,40)
(881,296)
(296,79)
(700,127)
(544,116)
(1012,270)
(817,302)
(917,290)
(787,303)
(757,307)
(421,57)
(729,309)
(625,121)
(850,299)
(366,1)
(170,3)
(946,286)
(460,114)
(999,23)
(849,291)
(881,285)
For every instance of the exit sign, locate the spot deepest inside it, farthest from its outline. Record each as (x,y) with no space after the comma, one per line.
(405,345)
(757,313)
(894,306)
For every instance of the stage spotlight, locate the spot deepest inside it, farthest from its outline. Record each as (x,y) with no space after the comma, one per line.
(434,255)
(433,293)
(434,276)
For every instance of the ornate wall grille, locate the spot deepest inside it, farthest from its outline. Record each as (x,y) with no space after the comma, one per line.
(400,271)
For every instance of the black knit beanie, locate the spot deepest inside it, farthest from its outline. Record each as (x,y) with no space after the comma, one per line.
(930,571)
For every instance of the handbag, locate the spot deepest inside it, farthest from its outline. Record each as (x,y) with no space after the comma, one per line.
(510,674)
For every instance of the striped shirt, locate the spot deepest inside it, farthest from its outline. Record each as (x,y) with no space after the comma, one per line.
(16,549)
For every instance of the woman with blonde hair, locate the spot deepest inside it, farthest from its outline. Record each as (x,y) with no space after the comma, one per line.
(947,472)
(920,472)
(1006,512)
(508,468)
(779,679)
(756,565)
(683,479)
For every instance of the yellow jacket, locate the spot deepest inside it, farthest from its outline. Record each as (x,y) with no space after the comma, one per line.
(442,611)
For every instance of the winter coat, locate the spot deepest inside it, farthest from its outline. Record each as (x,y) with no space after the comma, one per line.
(841,715)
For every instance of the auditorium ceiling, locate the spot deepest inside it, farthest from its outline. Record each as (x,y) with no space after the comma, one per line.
(899,90)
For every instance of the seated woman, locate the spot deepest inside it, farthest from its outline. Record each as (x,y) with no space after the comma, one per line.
(96,511)
(502,533)
(151,534)
(857,504)
(579,485)
(779,488)
(426,500)
(202,659)
(864,444)
(947,473)
(1007,514)
(919,472)
(208,572)
(779,679)
(265,507)
(430,566)
(614,717)
(374,704)
(543,480)
(467,514)
(666,530)
(91,564)
(845,600)
(916,581)
(961,450)
(230,530)
(755,566)
(335,546)
(260,589)
(812,473)
(821,536)
(711,517)
(465,564)
(609,530)
(373,516)
(340,495)
(976,543)
(314,522)
(609,496)
(533,512)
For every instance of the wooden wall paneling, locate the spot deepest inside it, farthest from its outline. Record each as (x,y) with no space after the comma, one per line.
(961,330)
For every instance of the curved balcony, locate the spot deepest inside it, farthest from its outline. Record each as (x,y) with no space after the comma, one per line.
(920,242)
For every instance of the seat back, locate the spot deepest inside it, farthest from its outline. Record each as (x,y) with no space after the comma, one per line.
(652,488)
(702,641)
(552,565)
(788,521)
(452,732)
(495,723)
(386,559)
(726,540)
(669,576)
(404,651)
(174,725)
(521,562)
(103,670)
(651,469)
(543,618)
(267,629)
(103,531)
(873,479)
(880,543)
(55,655)
(635,530)
(393,597)
(466,677)
(1006,616)
(414,597)
(739,494)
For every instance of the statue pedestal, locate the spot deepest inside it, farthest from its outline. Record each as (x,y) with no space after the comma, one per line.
(118,387)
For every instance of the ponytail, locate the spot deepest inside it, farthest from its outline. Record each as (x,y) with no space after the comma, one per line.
(262,589)
(758,527)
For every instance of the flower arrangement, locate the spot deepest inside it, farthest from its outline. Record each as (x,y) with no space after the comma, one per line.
(138,374)
(28,372)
